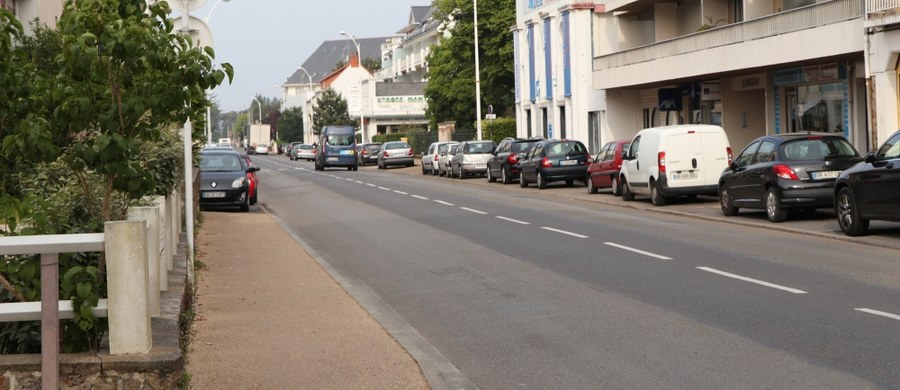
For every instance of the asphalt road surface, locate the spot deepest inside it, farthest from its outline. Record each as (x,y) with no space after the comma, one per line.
(521,290)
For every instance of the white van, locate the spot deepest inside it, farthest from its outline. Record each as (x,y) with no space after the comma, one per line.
(671,161)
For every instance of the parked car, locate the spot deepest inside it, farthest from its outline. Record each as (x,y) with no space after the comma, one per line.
(669,161)
(253,178)
(870,190)
(504,163)
(337,148)
(603,171)
(288,149)
(553,160)
(395,153)
(223,180)
(432,155)
(368,153)
(262,149)
(471,158)
(784,172)
(303,152)
(447,154)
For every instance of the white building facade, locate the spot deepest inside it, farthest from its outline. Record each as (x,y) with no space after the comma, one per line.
(554,94)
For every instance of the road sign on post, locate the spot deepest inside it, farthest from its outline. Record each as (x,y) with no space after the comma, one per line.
(490,116)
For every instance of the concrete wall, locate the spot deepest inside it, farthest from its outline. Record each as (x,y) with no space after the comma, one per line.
(743,114)
(756,8)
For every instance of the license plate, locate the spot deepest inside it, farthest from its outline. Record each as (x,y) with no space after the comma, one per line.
(479,166)
(684,176)
(346,152)
(568,162)
(825,175)
(332,159)
(214,194)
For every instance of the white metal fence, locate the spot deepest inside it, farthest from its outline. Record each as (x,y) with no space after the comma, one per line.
(873,6)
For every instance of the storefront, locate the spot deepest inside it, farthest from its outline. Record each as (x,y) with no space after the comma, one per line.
(814,98)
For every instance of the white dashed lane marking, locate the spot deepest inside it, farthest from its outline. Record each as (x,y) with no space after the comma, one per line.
(645,253)
(473,210)
(444,203)
(756,281)
(419,197)
(879,313)
(384,188)
(401,192)
(568,233)
(514,220)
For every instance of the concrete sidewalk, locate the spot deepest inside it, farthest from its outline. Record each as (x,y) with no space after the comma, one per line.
(268,316)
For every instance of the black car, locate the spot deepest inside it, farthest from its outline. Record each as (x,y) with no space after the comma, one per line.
(870,189)
(785,172)
(368,153)
(554,160)
(223,180)
(504,164)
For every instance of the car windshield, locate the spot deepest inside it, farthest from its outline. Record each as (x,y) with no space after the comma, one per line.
(817,148)
(560,149)
(520,147)
(478,148)
(396,145)
(340,139)
(220,163)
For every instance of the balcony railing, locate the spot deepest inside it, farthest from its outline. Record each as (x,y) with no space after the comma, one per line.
(874,6)
(812,16)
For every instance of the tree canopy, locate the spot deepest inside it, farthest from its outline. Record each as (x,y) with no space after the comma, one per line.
(291,125)
(451,75)
(330,110)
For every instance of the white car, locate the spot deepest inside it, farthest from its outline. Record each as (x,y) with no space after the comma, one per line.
(430,158)
(262,149)
(445,157)
(471,158)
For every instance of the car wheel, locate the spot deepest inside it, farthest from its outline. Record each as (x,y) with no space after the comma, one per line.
(616,187)
(541,182)
(847,210)
(570,182)
(523,182)
(356,167)
(424,172)
(655,197)
(460,174)
(627,195)
(590,184)
(490,177)
(727,203)
(504,175)
(774,210)
(245,207)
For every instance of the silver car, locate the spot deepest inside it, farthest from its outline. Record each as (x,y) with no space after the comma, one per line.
(395,153)
(471,158)
(445,157)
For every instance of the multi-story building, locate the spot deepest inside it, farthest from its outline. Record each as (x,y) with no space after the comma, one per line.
(554,94)
(752,67)
(47,11)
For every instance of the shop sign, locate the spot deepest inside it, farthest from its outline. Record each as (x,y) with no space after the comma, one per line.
(809,74)
(750,82)
(669,99)
(401,100)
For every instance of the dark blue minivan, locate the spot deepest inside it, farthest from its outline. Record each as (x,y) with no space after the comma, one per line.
(337,148)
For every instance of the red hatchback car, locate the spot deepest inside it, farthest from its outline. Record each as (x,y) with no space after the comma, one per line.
(252,178)
(604,169)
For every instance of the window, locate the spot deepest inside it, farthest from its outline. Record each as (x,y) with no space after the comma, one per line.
(890,150)
(766,152)
(746,157)
(339,139)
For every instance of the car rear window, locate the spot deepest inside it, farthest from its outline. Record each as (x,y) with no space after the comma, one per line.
(220,163)
(305,147)
(396,145)
(817,148)
(373,147)
(520,147)
(478,148)
(339,139)
(560,149)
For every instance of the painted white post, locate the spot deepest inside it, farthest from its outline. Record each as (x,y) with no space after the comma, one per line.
(127,279)
(151,216)
(174,228)
(162,250)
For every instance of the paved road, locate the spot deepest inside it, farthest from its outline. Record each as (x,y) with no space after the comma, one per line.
(520,289)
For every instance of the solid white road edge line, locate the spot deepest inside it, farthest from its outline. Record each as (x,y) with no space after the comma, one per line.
(473,210)
(645,253)
(514,220)
(878,313)
(419,197)
(444,203)
(563,232)
(746,279)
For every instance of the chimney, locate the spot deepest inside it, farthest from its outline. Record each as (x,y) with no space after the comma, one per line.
(354,60)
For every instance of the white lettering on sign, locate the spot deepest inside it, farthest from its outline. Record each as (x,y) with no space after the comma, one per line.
(400,99)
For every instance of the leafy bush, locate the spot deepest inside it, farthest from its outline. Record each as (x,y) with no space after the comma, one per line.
(498,129)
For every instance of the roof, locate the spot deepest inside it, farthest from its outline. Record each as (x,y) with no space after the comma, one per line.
(321,62)
(400,89)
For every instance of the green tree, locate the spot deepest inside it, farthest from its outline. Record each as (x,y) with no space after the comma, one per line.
(330,110)
(371,64)
(291,125)
(451,65)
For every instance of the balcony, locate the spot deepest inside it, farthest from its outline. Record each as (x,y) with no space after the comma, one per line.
(774,25)
(882,13)
(878,6)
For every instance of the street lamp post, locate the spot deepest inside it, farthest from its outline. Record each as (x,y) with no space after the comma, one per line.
(477,78)
(260,109)
(309,93)
(213,9)
(362,125)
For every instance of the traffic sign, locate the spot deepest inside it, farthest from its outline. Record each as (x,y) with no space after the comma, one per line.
(490,116)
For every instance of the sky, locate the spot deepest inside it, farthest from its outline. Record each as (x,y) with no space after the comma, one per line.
(266,40)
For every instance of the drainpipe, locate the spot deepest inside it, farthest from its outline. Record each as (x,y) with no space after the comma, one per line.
(872,135)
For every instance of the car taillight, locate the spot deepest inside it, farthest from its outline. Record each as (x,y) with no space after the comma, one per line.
(410,152)
(386,154)
(437,158)
(661,160)
(730,155)
(546,163)
(784,172)
(512,159)
(364,152)
(587,159)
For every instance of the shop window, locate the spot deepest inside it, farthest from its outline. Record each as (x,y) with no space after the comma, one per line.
(818,107)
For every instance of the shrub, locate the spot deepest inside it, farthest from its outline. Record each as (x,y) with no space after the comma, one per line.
(498,129)
(382,138)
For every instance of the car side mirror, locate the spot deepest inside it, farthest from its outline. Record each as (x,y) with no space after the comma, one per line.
(733,166)
(870,158)
(252,169)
